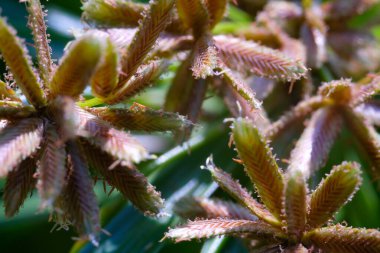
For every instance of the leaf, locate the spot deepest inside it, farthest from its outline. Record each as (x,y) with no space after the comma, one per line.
(73,72)
(215,227)
(16,57)
(197,207)
(297,113)
(9,111)
(116,143)
(236,191)
(18,141)
(36,22)
(333,193)
(142,118)
(313,147)
(194,15)
(105,77)
(342,239)
(144,78)
(154,22)
(216,10)
(259,164)
(113,13)
(204,55)
(295,204)
(257,59)
(129,181)
(79,198)
(20,183)
(367,137)
(362,93)
(52,168)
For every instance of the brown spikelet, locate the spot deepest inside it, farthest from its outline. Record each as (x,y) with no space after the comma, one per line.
(197,207)
(153,24)
(367,138)
(18,141)
(236,191)
(117,143)
(200,229)
(168,45)
(36,23)
(257,59)
(295,204)
(216,10)
(204,57)
(105,78)
(73,72)
(80,204)
(259,163)
(113,13)
(20,182)
(342,239)
(333,192)
(142,118)
(129,181)
(10,110)
(144,77)
(194,15)
(16,57)
(362,93)
(298,113)
(312,149)
(52,168)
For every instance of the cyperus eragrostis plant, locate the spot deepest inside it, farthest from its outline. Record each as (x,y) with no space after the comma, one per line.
(289,219)
(50,141)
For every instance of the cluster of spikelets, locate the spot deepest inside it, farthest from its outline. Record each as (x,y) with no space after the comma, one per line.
(290,219)
(50,139)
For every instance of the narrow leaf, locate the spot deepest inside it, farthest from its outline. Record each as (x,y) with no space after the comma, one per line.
(198,207)
(257,59)
(74,72)
(215,227)
(52,167)
(11,112)
(16,57)
(20,183)
(333,192)
(18,141)
(313,147)
(129,181)
(142,118)
(41,39)
(342,239)
(259,164)
(236,191)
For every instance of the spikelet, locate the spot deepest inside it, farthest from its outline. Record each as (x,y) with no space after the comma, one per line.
(16,57)
(342,239)
(367,137)
(7,93)
(295,204)
(362,93)
(105,77)
(74,72)
(80,204)
(194,15)
(257,59)
(130,182)
(240,194)
(198,207)
(18,141)
(200,229)
(260,164)
(113,13)
(11,111)
(141,118)
(153,24)
(216,10)
(333,192)
(144,77)
(338,90)
(36,22)
(52,168)
(20,183)
(296,114)
(313,147)
(204,57)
